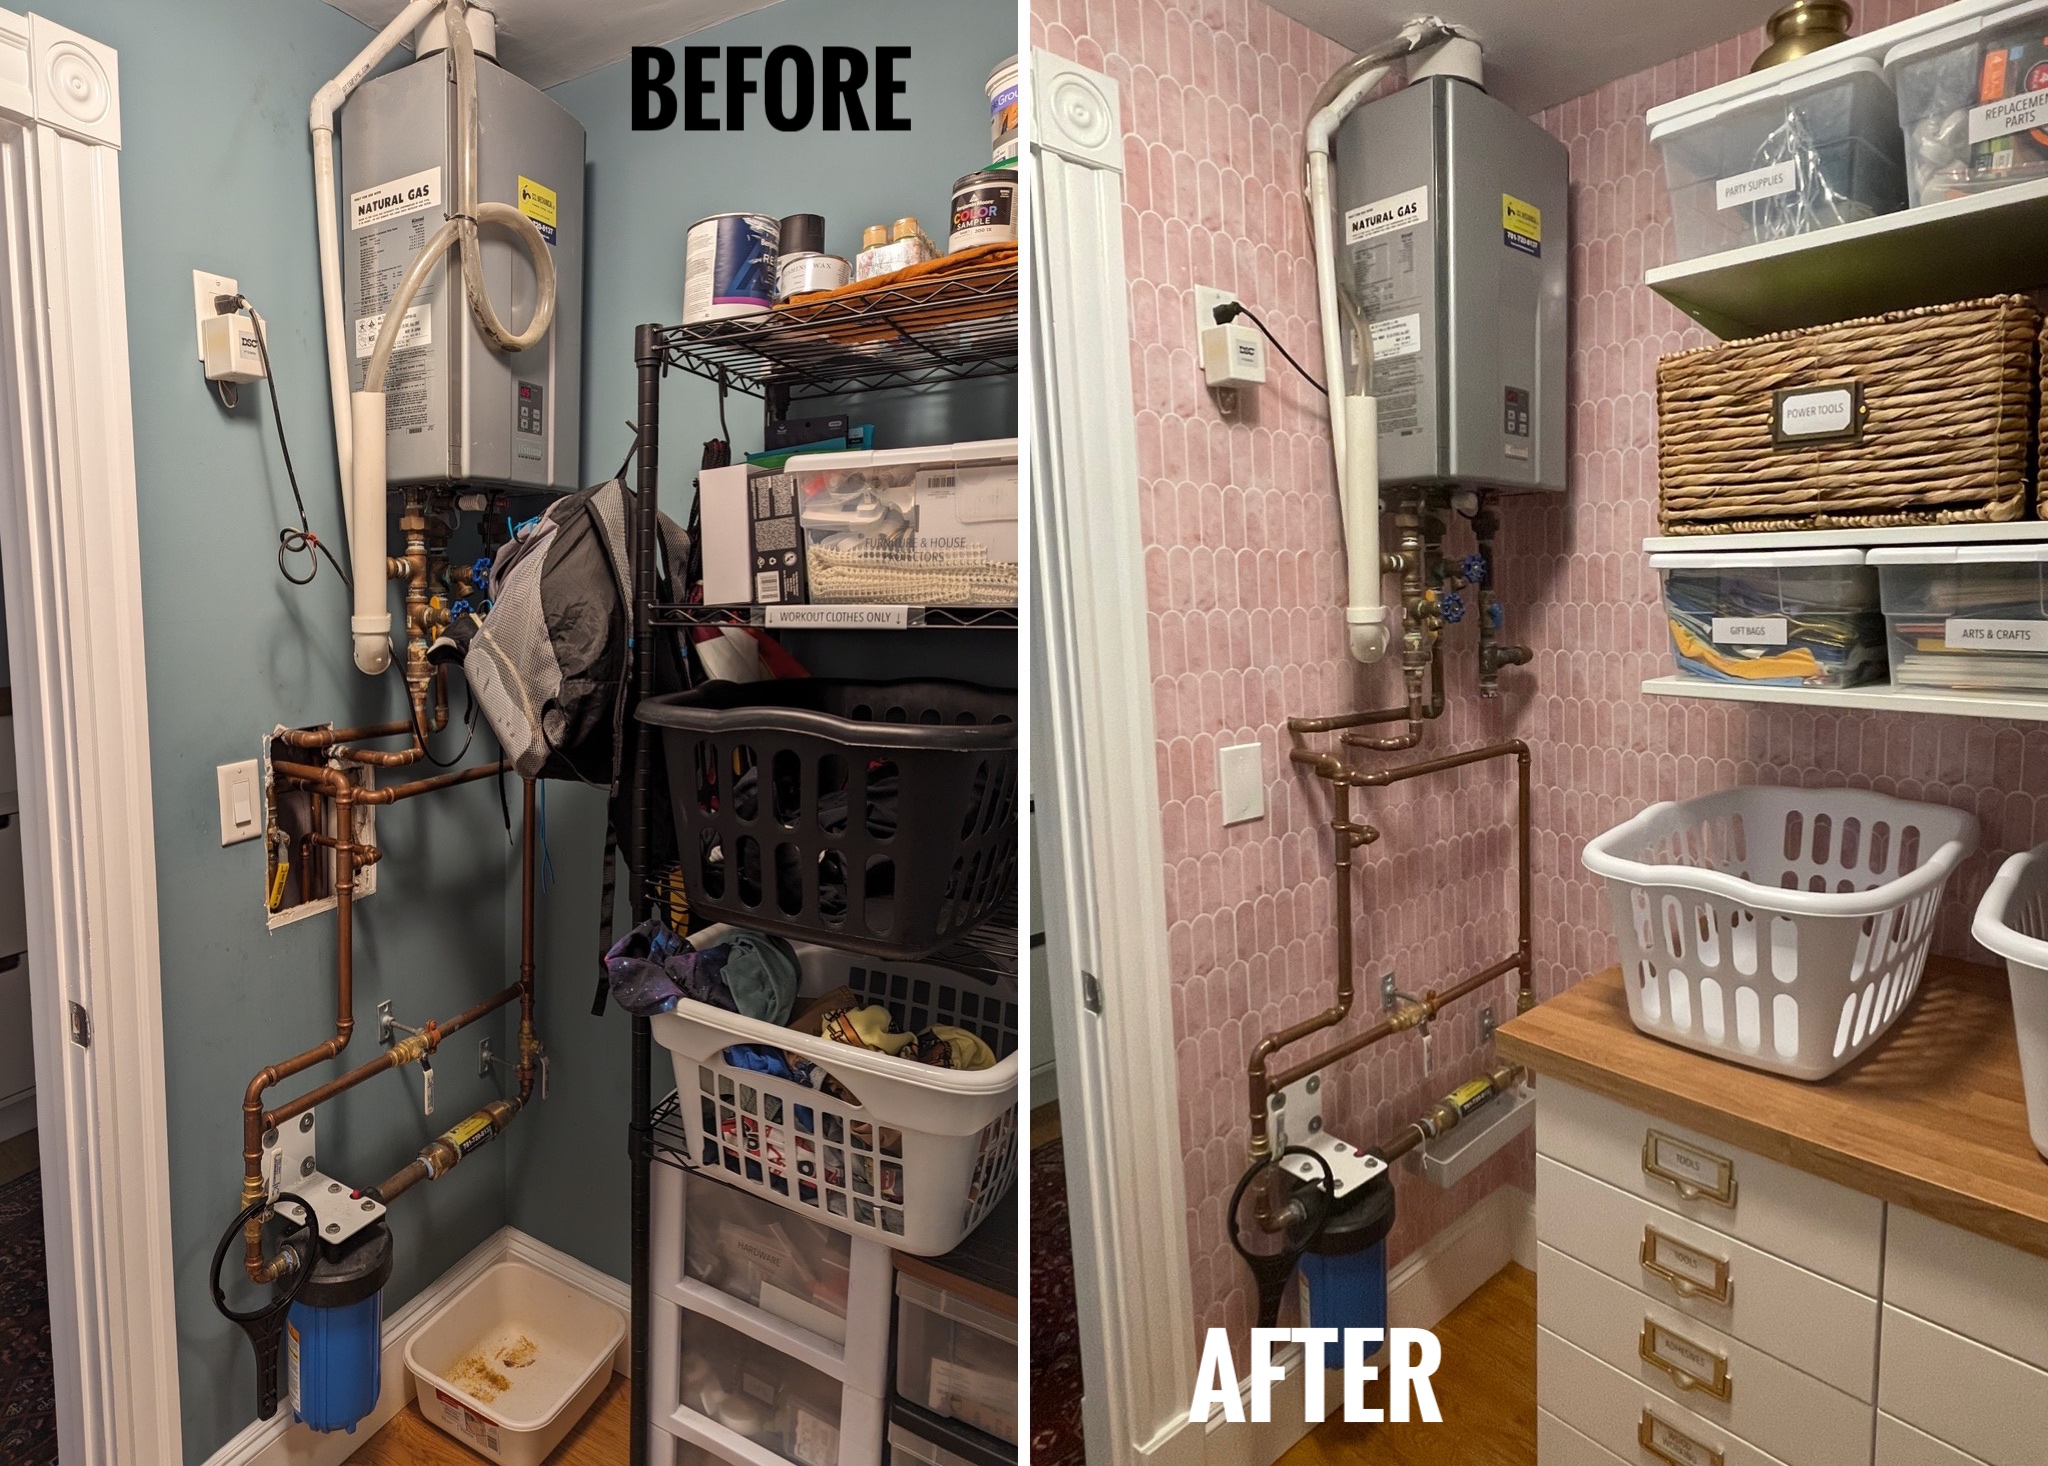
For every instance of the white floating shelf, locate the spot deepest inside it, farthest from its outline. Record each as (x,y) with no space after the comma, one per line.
(1960,249)
(1883,698)
(2015,532)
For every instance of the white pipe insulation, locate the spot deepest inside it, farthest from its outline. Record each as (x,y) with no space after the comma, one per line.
(1354,416)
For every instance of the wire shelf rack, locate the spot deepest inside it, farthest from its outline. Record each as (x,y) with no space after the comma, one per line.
(958,618)
(938,328)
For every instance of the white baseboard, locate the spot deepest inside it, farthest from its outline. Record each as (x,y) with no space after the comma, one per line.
(1421,1290)
(279,1442)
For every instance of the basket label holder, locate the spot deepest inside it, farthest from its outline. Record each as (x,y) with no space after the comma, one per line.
(1808,417)
(1699,1175)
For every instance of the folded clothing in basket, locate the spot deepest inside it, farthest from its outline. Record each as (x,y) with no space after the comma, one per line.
(942,1046)
(651,969)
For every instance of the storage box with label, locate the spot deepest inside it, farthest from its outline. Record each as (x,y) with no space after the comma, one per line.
(1973,101)
(932,526)
(956,1354)
(753,550)
(1971,618)
(1787,618)
(1917,417)
(1781,152)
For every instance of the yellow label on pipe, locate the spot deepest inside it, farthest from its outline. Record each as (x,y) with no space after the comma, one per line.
(1470,1095)
(470,1134)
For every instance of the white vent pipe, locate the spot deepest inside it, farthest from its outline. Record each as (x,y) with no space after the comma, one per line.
(1354,416)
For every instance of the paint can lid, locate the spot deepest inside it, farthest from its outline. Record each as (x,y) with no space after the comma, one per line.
(803,234)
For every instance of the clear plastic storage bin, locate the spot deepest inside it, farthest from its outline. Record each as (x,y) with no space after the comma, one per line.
(1787,618)
(1779,153)
(956,1358)
(907,1446)
(1973,101)
(767,1256)
(1972,618)
(911,526)
(759,1394)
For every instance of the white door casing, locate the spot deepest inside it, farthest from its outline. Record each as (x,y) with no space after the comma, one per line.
(1095,788)
(70,541)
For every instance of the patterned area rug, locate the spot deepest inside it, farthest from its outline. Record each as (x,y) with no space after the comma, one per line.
(28,1402)
(1055,1326)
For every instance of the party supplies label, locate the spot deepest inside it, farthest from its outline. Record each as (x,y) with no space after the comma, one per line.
(1389,215)
(1749,630)
(1758,183)
(1976,634)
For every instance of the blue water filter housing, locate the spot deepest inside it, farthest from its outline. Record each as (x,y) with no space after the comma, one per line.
(1344,1270)
(335,1341)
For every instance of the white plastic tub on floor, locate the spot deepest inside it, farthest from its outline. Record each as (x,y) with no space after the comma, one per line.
(514,1361)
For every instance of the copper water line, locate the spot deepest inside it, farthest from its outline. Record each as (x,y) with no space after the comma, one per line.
(1493,654)
(1444,1116)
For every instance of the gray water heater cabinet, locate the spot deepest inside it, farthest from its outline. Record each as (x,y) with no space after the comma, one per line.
(1451,218)
(459,410)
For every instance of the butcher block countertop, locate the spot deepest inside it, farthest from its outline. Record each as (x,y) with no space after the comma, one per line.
(1932,1118)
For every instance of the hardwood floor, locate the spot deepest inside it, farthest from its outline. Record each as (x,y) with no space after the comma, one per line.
(598,1439)
(1486,1388)
(18,1156)
(1045,1123)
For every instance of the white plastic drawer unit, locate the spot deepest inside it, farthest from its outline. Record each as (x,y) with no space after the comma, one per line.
(956,1358)
(1814,1224)
(1630,1419)
(768,1257)
(758,1397)
(1823,1328)
(1966,617)
(1964,103)
(1765,1401)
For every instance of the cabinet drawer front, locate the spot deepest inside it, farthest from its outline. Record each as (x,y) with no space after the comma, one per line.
(1824,1228)
(1810,1322)
(1899,1444)
(1613,1411)
(1557,1444)
(1981,1289)
(1737,1386)
(1985,1403)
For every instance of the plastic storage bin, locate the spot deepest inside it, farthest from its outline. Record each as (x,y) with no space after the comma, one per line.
(878,816)
(1973,101)
(1793,618)
(911,526)
(514,1361)
(2012,922)
(921,1154)
(1969,617)
(767,1257)
(1780,153)
(759,1394)
(1781,928)
(956,1358)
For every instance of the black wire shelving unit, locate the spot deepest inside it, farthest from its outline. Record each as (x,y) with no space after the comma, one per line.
(917,335)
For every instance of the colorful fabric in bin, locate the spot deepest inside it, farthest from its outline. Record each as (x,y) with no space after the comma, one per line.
(942,1044)
(652,969)
(1820,650)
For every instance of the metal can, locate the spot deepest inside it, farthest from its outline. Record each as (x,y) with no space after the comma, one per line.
(984,209)
(729,267)
(1002,110)
(799,274)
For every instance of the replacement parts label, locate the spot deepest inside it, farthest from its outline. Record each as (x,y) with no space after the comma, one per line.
(2015,114)
(1387,216)
(1984,635)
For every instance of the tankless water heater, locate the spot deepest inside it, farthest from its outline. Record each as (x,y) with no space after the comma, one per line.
(1451,237)
(457,409)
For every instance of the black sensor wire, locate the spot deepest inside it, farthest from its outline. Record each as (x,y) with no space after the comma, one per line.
(300,541)
(1231,310)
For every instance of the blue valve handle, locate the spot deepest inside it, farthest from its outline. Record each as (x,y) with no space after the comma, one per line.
(1496,615)
(1452,605)
(1474,568)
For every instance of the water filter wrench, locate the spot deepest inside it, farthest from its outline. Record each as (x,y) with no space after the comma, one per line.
(265,1325)
(1274,1217)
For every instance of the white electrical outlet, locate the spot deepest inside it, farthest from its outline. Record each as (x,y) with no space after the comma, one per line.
(205,287)
(1241,774)
(1207,298)
(241,801)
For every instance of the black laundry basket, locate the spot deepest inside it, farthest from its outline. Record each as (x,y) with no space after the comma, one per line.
(879,817)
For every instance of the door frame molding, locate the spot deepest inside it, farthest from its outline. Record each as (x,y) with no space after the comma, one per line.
(70,540)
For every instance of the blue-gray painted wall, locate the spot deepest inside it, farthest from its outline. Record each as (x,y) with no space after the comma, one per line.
(215,175)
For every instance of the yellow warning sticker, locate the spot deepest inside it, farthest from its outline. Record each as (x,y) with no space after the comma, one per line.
(537,202)
(470,1134)
(1521,224)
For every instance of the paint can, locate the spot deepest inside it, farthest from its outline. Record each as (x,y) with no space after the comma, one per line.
(1002,110)
(729,267)
(984,209)
(799,274)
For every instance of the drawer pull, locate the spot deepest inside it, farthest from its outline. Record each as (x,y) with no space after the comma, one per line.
(1691,1366)
(1699,1175)
(1685,1268)
(1673,1446)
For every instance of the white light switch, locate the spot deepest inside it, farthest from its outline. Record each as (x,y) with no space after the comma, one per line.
(241,802)
(1241,773)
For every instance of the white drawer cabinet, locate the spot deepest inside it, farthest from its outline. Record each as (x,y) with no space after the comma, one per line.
(1899,1444)
(1822,1227)
(1557,1444)
(1619,1413)
(1986,1404)
(1828,1330)
(1970,1284)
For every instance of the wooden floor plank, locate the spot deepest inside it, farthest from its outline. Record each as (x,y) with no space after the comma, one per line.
(599,1439)
(1486,1388)
(18,1156)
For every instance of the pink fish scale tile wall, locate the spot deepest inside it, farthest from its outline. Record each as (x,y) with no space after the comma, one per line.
(1244,570)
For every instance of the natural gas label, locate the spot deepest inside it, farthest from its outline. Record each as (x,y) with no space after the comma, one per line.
(1759,183)
(1521,225)
(537,202)
(1412,1357)
(407,195)
(417,329)
(1750,630)
(1387,216)
(1396,337)
(1978,635)
(2015,114)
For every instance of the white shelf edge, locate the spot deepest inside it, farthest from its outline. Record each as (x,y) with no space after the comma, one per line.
(1900,221)
(1879,698)
(788,1339)
(2013,531)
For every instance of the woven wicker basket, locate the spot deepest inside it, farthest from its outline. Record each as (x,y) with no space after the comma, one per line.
(1947,399)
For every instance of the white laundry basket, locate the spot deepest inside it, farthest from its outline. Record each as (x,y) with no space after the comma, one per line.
(2012,920)
(921,1156)
(1781,928)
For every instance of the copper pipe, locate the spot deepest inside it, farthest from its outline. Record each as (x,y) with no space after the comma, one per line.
(529,1045)
(1493,654)
(328,737)
(444,1153)
(1414,1015)
(1445,1115)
